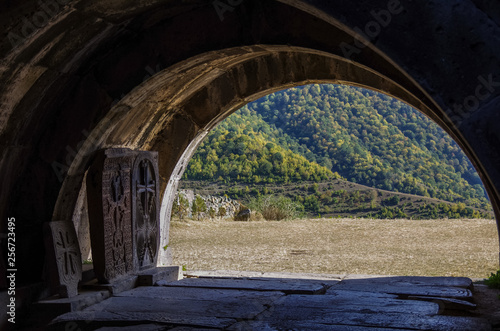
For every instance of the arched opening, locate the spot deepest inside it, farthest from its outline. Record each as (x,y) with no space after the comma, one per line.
(211,249)
(64,63)
(180,111)
(58,94)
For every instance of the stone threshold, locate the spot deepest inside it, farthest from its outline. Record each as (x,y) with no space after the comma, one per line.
(92,293)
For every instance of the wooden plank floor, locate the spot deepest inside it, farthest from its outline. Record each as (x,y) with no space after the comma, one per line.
(257,303)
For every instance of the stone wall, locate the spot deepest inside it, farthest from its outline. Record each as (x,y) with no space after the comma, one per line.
(216,202)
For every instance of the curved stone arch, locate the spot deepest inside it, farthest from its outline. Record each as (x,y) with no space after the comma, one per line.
(174,110)
(62,78)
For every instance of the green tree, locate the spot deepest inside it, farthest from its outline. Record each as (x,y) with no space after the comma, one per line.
(311,203)
(199,207)
(180,207)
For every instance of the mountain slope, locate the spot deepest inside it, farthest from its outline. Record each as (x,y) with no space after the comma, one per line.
(364,136)
(244,148)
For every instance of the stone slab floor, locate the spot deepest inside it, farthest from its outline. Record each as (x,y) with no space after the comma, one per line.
(207,301)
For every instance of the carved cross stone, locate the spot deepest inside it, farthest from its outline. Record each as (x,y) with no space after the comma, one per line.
(65,250)
(109,205)
(123,203)
(145,209)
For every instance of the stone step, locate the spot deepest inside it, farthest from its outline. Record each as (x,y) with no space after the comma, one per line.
(284,304)
(289,286)
(446,287)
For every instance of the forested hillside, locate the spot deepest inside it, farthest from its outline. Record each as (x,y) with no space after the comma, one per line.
(363,136)
(246,149)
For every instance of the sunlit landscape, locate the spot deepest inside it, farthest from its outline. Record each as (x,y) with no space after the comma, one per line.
(340,246)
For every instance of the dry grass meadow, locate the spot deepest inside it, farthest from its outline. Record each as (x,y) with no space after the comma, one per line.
(339,246)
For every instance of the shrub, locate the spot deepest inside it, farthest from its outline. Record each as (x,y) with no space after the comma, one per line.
(311,203)
(255,216)
(199,206)
(222,212)
(243,213)
(391,201)
(212,213)
(494,280)
(276,208)
(180,207)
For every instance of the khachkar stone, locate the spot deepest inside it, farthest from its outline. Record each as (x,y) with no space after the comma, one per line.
(145,209)
(64,256)
(109,206)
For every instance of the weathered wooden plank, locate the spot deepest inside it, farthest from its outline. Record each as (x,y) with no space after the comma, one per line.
(284,285)
(368,304)
(404,290)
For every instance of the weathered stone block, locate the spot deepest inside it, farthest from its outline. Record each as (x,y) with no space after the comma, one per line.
(109,205)
(166,274)
(123,203)
(146,210)
(63,252)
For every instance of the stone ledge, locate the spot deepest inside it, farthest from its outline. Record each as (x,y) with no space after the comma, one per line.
(119,285)
(57,305)
(147,277)
(152,276)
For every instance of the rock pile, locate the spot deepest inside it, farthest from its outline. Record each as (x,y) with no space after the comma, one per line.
(223,207)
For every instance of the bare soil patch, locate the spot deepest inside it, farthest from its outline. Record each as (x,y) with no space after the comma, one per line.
(441,247)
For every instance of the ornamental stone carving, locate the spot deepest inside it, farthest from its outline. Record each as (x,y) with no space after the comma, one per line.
(145,209)
(123,204)
(64,250)
(109,204)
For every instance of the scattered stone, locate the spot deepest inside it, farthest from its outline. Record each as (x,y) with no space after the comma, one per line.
(227,206)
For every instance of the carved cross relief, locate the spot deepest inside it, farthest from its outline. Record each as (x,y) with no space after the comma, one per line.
(67,255)
(145,214)
(123,202)
(109,203)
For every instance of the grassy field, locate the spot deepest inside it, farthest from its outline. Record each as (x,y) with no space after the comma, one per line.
(339,246)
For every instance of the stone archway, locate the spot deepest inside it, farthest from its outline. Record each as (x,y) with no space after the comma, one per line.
(172,115)
(61,78)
